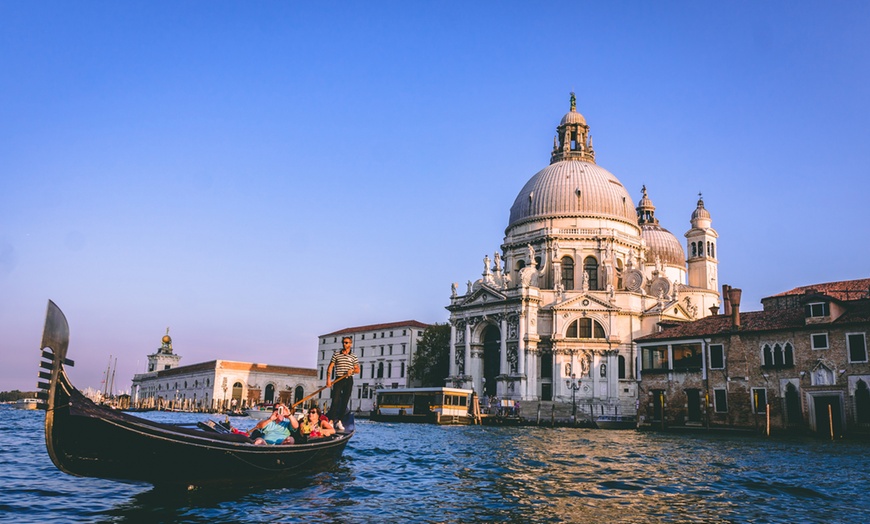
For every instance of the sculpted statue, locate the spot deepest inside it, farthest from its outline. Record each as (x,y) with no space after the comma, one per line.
(497,257)
(453,287)
(486,264)
(531,255)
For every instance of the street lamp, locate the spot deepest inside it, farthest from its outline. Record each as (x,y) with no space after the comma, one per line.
(573,384)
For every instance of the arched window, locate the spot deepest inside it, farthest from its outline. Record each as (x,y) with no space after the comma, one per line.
(621,361)
(298,394)
(568,273)
(789,355)
(778,357)
(712,250)
(619,268)
(694,250)
(584,328)
(590,267)
(767,356)
(700,249)
(380,370)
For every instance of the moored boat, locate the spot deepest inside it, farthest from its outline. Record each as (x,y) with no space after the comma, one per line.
(28,403)
(86,439)
(430,405)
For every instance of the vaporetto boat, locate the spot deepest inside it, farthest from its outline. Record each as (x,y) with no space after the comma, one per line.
(432,405)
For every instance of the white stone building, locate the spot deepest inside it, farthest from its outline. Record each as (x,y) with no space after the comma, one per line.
(581,273)
(384,352)
(214,385)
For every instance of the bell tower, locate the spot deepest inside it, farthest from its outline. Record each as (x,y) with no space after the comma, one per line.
(701,249)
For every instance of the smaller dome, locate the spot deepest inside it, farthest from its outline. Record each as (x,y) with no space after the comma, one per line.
(573,117)
(700,211)
(662,243)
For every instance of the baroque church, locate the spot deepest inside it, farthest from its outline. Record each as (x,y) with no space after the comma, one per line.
(582,273)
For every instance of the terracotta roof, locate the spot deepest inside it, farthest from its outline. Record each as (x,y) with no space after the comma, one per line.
(842,290)
(755,321)
(376,327)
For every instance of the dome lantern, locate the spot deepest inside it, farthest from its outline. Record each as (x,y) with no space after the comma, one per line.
(573,140)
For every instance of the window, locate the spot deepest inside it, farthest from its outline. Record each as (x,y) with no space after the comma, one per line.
(584,328)
(759,400)
(363,336)
(818,309)
(362,351)
(403,332)
(687,356)
(857,345)
(621,361)
(778,356)
(619,269)
(590,268)
(819,340)
(655,358)
(382,350)
(402,370)
(391,349)
(389,370)
(720,401)
(380,370)
(717,356)
(568,273)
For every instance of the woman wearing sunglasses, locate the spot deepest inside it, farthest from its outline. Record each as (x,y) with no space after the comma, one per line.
(314,425)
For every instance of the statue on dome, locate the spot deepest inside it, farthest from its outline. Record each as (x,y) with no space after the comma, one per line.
(485,265)
(573,102)
(531,255)
(497,258)
(556,251)
(453,287)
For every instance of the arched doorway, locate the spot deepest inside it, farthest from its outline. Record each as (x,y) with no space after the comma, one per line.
(237,394)
(298,394)
(491,358)
(269,396)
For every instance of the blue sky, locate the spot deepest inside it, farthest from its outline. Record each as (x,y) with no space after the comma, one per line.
(252,175)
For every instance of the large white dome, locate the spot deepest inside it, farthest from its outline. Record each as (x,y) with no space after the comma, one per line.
(573,188)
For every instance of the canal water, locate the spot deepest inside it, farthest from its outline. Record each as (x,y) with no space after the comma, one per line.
(425,473)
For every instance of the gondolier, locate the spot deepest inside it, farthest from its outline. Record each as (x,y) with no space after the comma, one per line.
(345,364)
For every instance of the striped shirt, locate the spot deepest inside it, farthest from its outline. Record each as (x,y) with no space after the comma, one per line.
(344,363)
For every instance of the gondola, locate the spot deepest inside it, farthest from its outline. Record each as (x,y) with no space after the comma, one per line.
(89,440)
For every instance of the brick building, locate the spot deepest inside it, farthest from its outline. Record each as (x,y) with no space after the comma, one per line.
(799,364)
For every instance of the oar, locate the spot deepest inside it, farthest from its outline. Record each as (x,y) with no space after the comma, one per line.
(319,390)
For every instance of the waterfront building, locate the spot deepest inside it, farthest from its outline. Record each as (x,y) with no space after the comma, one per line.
(216,385)
(582,272)
(801,363)
(384,352)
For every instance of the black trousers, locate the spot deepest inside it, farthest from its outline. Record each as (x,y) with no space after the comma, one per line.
(341,391)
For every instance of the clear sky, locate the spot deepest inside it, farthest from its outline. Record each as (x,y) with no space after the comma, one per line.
(255,174)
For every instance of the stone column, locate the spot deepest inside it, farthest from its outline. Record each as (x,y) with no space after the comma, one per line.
(521,346)
(452,349)
(503,365)
(467,370)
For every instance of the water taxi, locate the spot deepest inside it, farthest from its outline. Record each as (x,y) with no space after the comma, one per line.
(431,405)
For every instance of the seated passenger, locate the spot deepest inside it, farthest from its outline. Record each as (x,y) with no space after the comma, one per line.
(278,428)
(313,425)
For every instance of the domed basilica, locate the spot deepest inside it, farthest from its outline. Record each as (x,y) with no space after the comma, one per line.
(582,272)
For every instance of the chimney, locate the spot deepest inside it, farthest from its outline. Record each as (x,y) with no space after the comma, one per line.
(726,300)
(734,299)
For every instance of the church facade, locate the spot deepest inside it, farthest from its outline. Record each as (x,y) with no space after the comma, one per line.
(581,273)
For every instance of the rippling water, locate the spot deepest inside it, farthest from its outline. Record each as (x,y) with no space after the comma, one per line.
(423,473)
